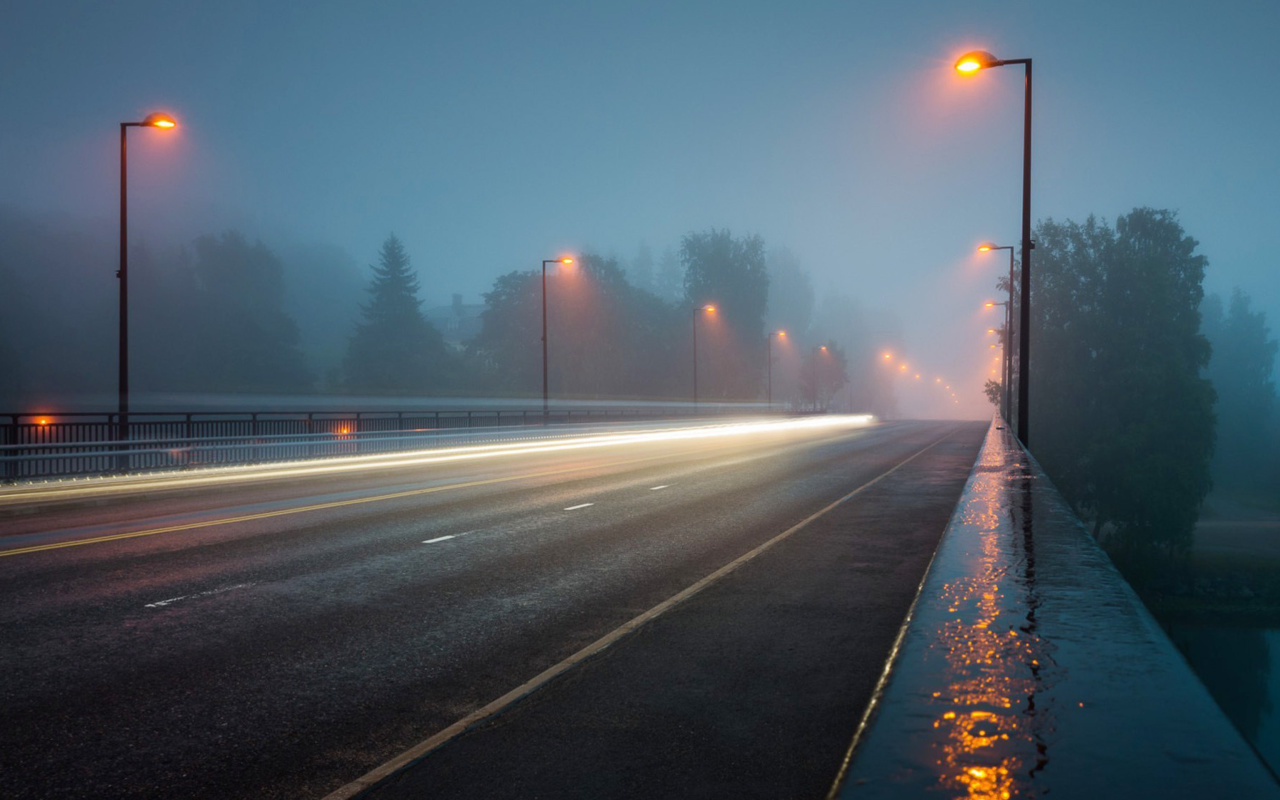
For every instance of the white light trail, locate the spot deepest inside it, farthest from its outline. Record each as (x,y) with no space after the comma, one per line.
(301,469)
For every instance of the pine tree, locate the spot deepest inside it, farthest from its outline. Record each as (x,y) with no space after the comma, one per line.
(394,349)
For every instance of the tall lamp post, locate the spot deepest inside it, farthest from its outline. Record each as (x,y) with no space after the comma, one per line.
(975,62)
(987,247)
(545,262)
(164,122)
(769,365)
(710,309)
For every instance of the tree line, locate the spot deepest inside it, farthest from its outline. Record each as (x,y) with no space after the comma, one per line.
(229,315)
(1145,392)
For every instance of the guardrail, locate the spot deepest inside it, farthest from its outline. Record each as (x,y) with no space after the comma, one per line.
(76,444)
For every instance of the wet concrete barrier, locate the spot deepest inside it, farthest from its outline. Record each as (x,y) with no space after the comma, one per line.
(1028,667)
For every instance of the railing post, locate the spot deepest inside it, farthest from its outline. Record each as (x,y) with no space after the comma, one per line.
(11,438)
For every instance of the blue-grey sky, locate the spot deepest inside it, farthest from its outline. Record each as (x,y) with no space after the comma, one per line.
(490,135)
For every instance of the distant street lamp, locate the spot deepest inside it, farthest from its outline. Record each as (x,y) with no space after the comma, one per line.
(545,262)
(164,122)
(825,351)
(971,63)
(1008,314)
(769,364)
(987,247)
(710,309)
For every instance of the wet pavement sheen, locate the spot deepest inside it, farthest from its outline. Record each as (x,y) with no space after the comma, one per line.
(1030,667)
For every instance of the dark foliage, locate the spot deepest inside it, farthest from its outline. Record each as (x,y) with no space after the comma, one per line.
(394,349)
(239,337)
(731,274)
(824,372)
(606,338)
(1246,456)
(994,392)
(1121,417)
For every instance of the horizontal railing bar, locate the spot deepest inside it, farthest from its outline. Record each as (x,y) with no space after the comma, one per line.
(247,437)
(112,449)
(299,438)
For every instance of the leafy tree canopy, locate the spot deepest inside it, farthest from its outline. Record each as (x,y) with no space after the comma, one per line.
(730,273)
(824,372)
(1121,417)
(1241,371)
(242,340)
(606,338)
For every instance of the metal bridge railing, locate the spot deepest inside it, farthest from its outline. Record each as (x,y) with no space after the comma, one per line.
(34,446)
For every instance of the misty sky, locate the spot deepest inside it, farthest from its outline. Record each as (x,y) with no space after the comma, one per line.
(491,135)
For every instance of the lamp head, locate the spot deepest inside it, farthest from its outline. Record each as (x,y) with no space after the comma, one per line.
(975,61)
(159,120)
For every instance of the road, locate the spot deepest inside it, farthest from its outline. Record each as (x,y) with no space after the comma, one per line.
(281,632)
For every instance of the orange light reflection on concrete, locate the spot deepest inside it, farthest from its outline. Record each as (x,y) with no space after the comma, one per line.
(987,747)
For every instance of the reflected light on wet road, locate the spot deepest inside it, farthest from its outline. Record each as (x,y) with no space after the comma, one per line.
(990,739)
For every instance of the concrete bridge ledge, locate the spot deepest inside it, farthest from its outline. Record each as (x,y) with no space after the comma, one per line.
(1028,667)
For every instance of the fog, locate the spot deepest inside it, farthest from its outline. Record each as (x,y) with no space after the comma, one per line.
(719,172)
(488,138)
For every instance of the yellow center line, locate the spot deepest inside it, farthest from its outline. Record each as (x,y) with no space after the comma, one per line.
(316,507)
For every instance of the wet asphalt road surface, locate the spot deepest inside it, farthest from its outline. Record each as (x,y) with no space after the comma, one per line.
(281,638)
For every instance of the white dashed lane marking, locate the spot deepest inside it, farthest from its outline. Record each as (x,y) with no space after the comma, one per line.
(450,536)
(580,505)
(172,600)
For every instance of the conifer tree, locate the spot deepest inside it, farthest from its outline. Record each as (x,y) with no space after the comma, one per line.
(395,350)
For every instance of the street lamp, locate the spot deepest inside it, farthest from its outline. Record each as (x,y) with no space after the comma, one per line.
(164,122)
(825,351)
(710,309)
(971,63)
(1008,357)
(987,247)
(769,364)
(545,262)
